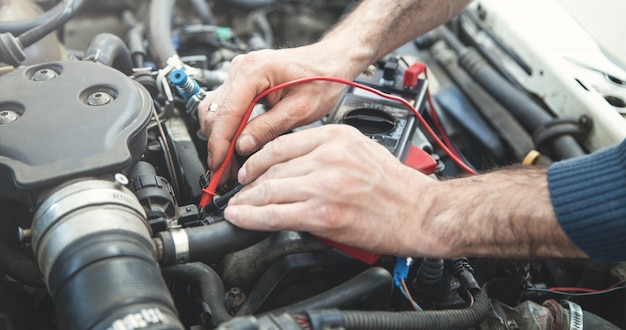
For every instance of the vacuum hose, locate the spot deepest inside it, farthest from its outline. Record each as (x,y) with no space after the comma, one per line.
(110,50)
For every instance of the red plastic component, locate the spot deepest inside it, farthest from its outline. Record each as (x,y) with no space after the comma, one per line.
(365,256)
(420,160)
(412,73)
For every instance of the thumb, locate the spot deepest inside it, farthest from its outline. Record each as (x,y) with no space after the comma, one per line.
(284,116)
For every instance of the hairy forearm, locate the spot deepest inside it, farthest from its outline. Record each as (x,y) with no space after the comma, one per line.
(506,213)
(376,27)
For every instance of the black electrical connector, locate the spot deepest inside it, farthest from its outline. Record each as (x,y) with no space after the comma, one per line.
(220,202)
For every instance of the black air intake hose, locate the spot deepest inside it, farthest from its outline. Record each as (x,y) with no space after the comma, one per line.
(93,246)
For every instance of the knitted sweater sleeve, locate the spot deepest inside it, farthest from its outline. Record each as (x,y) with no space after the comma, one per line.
(589,198)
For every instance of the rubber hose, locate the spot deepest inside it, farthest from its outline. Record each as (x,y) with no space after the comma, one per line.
(110,50)
(250,4)
(217,240)
(593,321)
(432,320)
(135,45)
(21,26)
(210,284)
(202,9)
(525,110)
(374,283)
(510,130)
(70,7)
(22,269)
(209,242)
(160,30)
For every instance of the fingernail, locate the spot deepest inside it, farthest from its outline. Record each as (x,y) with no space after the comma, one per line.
(230,214)
(208,159)
(246,144)
(242,174)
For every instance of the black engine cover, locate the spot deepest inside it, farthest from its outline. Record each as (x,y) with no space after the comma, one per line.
(63,120)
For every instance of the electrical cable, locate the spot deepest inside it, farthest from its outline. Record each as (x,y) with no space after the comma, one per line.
(405,291)
(574,291)
(436,121)
(585,290)
(471,298)
(209,191)
(579,294)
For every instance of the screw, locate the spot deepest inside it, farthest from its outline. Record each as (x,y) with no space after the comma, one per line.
(24,234)
(120,180)
(8,116)
(511,324)
(44,74)
(235,298)
(99,98)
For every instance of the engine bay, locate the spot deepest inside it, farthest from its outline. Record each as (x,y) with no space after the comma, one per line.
(103,167)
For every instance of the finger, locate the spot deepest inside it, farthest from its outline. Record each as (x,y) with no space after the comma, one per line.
(207,111)
(283,116)
(299,106)
(236,96)
(273,217)
(279,191)
(290,147)
(297,168)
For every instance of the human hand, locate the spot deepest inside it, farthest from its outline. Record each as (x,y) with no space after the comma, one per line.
(335,183)
(253,73)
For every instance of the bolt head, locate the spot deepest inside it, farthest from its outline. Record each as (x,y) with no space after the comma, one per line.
(99,98)
(44,74)
(8,116)
(120,180)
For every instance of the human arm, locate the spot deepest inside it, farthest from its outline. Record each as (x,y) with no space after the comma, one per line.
(336,183)
(589,198)
(372,30)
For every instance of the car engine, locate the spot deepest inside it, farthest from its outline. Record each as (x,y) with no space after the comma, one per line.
(103,166)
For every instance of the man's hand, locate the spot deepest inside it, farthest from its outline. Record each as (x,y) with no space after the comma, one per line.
(252,74)
(336,183)
(372,30)
(333,182)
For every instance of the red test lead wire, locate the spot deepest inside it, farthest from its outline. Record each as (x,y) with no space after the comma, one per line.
(209,191)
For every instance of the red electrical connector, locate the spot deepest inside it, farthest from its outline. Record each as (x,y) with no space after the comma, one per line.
(412,74)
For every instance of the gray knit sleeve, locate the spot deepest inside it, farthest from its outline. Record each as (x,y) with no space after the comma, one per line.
(589,198)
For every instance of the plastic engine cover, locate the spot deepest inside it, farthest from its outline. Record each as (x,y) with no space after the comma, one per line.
(63,120)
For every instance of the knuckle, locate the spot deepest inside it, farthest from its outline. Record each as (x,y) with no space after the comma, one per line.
(267,129)
(326,216)
(267,191)
(250,59)
(272,172)
(275,219)
(273,148)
